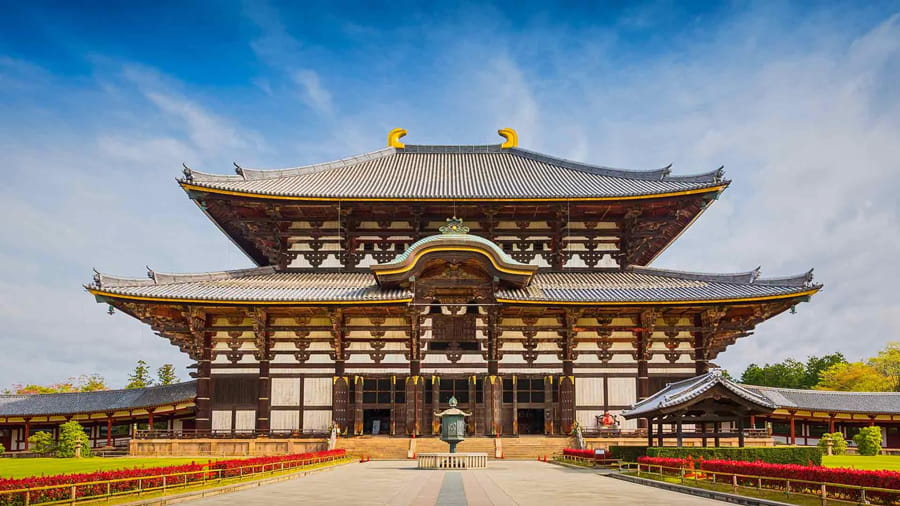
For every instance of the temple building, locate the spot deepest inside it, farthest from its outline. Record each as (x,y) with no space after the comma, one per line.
(386,283)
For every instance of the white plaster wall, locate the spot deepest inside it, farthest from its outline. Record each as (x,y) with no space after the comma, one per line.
(317,392)
(588,392)
(284,420)
(285,391)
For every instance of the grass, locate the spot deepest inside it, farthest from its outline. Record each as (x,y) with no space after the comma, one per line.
(875,462)
(23,468)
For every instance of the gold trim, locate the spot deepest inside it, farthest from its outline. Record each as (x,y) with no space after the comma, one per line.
(659,303)
(194,187)
(244,302)
(414,260)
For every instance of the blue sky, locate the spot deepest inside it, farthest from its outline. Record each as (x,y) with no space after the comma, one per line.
(100,104)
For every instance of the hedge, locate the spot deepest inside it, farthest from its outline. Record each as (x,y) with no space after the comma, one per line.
(800,455)
(628,453)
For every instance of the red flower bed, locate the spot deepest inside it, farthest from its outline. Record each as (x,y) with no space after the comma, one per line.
(816,474)
(137,478)
(587,454)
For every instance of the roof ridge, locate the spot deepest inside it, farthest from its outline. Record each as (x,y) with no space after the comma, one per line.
(815,391)
(248,174)
(164,278)
(109,391)
(748,277)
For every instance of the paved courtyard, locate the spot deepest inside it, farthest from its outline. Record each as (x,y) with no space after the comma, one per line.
(399,483)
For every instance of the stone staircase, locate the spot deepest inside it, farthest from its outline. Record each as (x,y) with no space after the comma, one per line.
(397,448)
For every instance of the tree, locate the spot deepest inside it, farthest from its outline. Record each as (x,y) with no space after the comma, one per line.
(838,443)
(868,440)
(791,373)
(41,442)
(166,375)
(887,362)
(815,366)
(854,377)
(84,383)
(140,378)
(72,437)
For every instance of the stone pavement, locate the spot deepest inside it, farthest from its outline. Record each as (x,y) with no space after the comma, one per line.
(399,483)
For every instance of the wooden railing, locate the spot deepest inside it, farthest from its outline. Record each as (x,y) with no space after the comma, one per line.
(823,490)
(616,432)
(73,493)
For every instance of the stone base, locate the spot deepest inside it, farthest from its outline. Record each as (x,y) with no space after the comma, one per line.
(452,460)
(223,447)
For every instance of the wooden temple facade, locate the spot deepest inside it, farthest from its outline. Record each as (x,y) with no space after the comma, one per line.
(388,282)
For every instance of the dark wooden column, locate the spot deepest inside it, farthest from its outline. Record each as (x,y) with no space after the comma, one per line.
(358,383)
(493,361)
(717,428)
(203,347)
(435,401)
(659,434)
(647,320)
(340,403)
(470,420)
(549,425)
(263,355)
(649,432)
(831,422)
(27,430)
(150,419)
(338,346)
(793,434)
(740,428)
(109,436)
(394,414)
(415,393)
(415,353)
(515,405)
(679,434)
(493,412)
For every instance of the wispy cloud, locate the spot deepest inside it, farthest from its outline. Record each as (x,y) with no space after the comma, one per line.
(314,94)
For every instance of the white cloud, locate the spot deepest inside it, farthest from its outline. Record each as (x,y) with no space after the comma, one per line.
(314,93)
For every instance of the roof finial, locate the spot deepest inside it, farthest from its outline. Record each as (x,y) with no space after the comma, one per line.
(188,175)
(238,169)
(151,273)
(454,226)
(98,278)
(394,138)
(512,138)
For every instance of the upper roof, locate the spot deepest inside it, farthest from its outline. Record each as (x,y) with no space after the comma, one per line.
(684,391)
(97,402)
(635,285)
(488,172)
(832,402)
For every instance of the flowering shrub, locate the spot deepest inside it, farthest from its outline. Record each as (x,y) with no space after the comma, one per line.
(135,479)
(797,473)
(587,454)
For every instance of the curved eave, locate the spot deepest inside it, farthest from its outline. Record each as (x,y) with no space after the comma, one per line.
(189,187)
(182,404)
(232,302)
(410,262)
(765,298)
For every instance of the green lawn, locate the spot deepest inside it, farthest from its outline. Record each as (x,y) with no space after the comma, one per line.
(880,462)
(21,468)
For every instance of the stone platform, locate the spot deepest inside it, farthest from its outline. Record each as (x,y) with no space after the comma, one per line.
(452,460)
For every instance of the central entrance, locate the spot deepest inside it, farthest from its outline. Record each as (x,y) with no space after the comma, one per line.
(531,421)
(376,421)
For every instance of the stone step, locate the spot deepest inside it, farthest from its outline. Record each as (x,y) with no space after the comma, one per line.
(394,448)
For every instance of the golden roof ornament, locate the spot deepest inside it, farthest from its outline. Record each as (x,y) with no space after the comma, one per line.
(393,139)
(454,226)
(512,138)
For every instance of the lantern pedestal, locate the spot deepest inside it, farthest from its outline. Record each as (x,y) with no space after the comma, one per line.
(452,460)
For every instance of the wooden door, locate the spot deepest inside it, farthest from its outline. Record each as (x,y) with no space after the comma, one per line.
(566,403)
(340,402)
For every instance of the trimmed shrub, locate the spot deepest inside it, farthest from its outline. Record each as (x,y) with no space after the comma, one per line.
(628,453)
(838,443)
(41,442)
(2,449)
(868,440)
(800,455)
(71,437)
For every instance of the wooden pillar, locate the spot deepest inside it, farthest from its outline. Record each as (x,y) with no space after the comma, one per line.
(679,434)
(340,403)
(793,434)
(752,422)
(493,362)
(393,426)
(358,382)
(717,428)
(649,432)
(493,398)
(701,365)
(831,422)
(549,425)
(27,432)
(109,436)
(515,407)
(659,434)
(197,323)
(150,419)
(415,353)
(703,433)
(415,393)
(646,320)
(435,401)
(871,421)
(263,405)
(470,420)
(740,427)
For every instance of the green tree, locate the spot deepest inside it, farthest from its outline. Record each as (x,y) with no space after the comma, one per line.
(2,449)
(140,378)
(71,437)
(838,443)
(41,442)
(815,366)
(887,362)
(854,377)
(787,374)
(868,440)
(166,375)
(83,383)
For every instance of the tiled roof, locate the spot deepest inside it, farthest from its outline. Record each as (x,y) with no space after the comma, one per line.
(831,402)
(96,402)
(637,284)
(683,391)
(458,172)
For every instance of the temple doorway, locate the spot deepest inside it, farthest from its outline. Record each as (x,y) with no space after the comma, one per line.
(376,421)
(531,421)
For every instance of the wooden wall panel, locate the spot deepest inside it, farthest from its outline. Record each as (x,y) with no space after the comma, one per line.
(221,419)
(588,392)
(245,419)
(318,419)
(285,420)
(317,391)
(622,391)
(286,392)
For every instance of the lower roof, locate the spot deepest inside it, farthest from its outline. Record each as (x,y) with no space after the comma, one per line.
(634,285)
(97,402)
(831,402)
